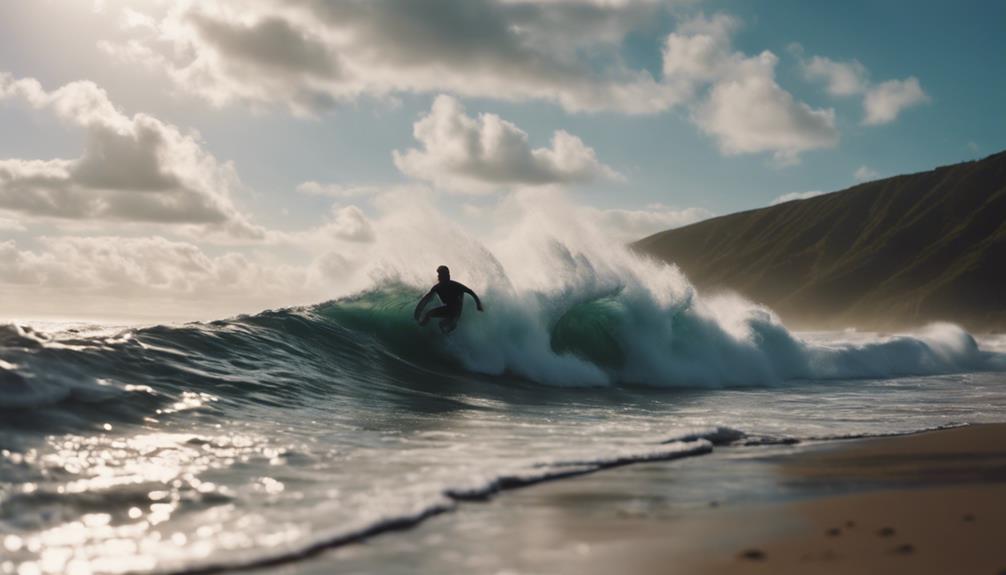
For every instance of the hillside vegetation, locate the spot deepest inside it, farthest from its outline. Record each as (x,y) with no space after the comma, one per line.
(892,253)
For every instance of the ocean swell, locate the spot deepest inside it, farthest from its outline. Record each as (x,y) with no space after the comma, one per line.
(619,336)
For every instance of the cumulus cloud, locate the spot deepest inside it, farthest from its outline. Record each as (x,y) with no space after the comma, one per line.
(9,225)
(165,278)
(466,153)
(346,191)
(311,54)
(141,276)
(349,223)
(699,51)
(507,217)
(745,110)
(840,78)
(748,112)
(865,173)
(346,228)
(795,196)
(624,226)
(882,103)
(133,169)
(885,101)
(137,266)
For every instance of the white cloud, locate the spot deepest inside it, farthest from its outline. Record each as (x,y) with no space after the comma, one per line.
(624,226)
(795,196)
(351,224)
(311,54)
(133,169)
(131,18)
(886,100)
(464,153)
(346,191)
(331,267)
(504,219)
(748,112)
(345,228)
(841,78)
(882,103)
(865,173)
(9,225)
(138,276)
(142,276)
(134,266)
(745,109)
(699,51)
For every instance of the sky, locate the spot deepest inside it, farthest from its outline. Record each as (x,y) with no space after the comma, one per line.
(184,160)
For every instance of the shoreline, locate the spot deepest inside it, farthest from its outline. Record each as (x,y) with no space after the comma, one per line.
(926,503)
(933,502)
(817,507)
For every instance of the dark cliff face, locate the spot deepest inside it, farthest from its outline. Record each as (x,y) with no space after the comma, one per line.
(894,253)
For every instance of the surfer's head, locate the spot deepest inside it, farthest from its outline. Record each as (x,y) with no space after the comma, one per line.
(443,273)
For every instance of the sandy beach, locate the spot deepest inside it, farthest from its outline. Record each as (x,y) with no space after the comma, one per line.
(927,503)
(932,502)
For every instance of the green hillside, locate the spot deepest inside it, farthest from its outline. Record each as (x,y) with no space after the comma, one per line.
(893,253)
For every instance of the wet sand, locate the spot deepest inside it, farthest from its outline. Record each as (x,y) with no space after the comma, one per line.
(931,503)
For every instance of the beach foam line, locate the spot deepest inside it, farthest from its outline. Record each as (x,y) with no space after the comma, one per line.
(846,436)
(715,434)
(482,489)
(563,468)
(721,436)
(684,443)
(326,541)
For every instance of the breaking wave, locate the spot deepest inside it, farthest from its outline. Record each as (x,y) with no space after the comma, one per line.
(369,341)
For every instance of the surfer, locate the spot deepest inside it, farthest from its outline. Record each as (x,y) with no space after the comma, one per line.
(451,294)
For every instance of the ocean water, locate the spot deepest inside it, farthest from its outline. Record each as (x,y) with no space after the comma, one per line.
(265,438)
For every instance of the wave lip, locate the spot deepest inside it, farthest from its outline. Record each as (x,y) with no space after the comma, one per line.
(602,334)
(626,335)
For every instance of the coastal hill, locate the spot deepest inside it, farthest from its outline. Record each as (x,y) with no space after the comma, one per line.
(893,253)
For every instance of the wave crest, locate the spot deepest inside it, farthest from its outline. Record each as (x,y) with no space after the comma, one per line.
(633,322)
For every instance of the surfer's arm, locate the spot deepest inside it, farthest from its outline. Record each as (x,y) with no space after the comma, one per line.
(478,303)
(422,303)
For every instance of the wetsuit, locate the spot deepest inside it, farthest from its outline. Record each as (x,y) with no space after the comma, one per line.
(451,294)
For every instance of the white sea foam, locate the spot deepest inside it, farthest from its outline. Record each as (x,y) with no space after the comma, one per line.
(411,506)
(636,320)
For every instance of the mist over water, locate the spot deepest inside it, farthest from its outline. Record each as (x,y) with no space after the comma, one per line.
(265,436)
(568,307)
